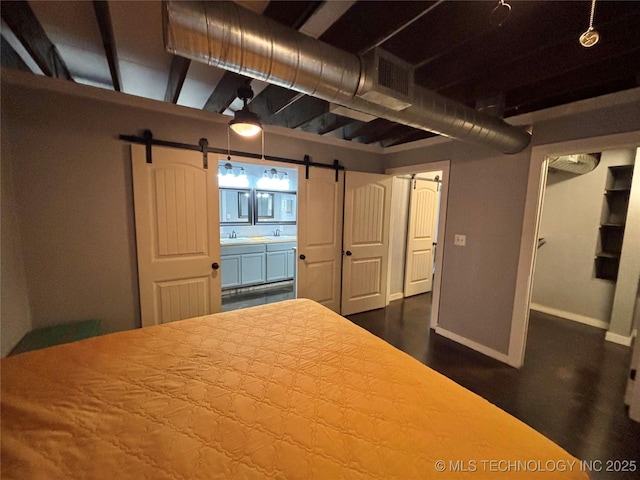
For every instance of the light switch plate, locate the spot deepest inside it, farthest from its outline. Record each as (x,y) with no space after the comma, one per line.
(460,240)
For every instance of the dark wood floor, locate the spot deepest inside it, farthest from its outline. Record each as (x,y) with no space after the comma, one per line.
(571,387)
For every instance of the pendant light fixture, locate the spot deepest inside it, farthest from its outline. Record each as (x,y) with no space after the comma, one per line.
(245,122)
(591,36)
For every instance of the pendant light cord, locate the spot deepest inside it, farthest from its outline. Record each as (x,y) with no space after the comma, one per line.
(593,11)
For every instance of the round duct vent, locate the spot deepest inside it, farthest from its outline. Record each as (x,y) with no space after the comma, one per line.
(578,163)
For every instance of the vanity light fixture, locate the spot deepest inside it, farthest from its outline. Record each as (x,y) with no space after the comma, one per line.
(273,180)
(228,178)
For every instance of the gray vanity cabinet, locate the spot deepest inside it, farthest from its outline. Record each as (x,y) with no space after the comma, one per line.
(255,264)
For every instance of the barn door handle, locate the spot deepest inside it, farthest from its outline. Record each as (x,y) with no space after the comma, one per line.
(302,257)
(215,266)
(348,253)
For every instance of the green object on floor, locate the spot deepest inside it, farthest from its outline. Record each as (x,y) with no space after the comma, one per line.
(57,335)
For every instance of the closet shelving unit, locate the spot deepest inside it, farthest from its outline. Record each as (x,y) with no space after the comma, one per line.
(614,214)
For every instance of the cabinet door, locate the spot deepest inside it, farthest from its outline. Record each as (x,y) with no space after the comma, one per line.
(291,264)
(276,266)
(231,271)
(253,268)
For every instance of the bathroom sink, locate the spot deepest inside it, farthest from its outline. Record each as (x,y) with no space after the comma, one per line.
(236,240)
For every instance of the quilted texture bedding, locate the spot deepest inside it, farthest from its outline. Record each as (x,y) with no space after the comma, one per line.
(288,390)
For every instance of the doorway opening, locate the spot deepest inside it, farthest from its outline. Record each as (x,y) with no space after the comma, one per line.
(258,232)
(583,236)
(418,221)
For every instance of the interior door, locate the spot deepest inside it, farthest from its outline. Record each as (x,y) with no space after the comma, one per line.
(423,213)
(177,218)
(320,203)
(366,241)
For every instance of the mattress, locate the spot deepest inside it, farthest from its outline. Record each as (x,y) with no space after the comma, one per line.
(288,390)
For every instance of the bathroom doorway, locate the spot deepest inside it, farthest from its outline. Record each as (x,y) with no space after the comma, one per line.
(258,233)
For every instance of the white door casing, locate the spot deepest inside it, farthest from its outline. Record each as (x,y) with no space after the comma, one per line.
(177,218)
(320,207)
(423,214)
(366,241)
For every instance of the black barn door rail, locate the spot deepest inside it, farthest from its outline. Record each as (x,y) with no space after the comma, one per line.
(203,147)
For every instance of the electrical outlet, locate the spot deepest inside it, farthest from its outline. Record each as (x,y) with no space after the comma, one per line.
(460,240)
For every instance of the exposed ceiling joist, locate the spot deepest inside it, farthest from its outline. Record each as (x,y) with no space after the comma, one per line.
(407,135)
(226,92)
(103,16)
(10,57)
(20,18)
(454,48)
(323,17)
(302,111)
(325,123)
(272,100)
(177,74)
(383,131)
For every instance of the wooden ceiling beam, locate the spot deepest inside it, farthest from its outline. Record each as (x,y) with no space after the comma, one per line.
(10,58)
(368,130)
(299,113)
(272,100)
(25,26)
(367,23)
(383,134)
(103,16)
(177,75)
(406,136)
(325,123)
(225,92)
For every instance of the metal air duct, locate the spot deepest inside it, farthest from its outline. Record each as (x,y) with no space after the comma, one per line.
(225,35)
(578,163)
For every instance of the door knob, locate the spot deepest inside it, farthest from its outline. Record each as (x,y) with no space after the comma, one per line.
(302,257)
(348,253)
(215,266)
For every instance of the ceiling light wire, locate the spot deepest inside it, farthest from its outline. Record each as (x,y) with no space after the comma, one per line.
(501,10)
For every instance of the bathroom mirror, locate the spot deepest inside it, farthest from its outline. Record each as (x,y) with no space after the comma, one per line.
(276,207)
(235,206)
(264,205)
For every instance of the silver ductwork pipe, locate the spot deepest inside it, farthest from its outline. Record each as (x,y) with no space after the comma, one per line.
(227,36)
(578,163)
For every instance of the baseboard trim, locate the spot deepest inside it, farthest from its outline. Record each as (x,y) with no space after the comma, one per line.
(619,339)
(396,296)
(490,352)
(593,322)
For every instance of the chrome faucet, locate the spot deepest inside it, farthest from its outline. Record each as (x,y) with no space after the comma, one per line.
(233,234)
(277,232)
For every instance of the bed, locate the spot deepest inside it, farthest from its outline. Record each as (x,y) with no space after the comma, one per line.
(288,390)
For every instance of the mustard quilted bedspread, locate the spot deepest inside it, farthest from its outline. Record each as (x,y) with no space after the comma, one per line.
(288,390)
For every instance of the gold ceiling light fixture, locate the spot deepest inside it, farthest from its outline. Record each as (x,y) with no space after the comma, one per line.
(245,122)
(591,36)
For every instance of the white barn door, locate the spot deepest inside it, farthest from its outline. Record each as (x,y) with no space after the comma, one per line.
(320,203)
(177,218)
(423,213)
(366,241)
